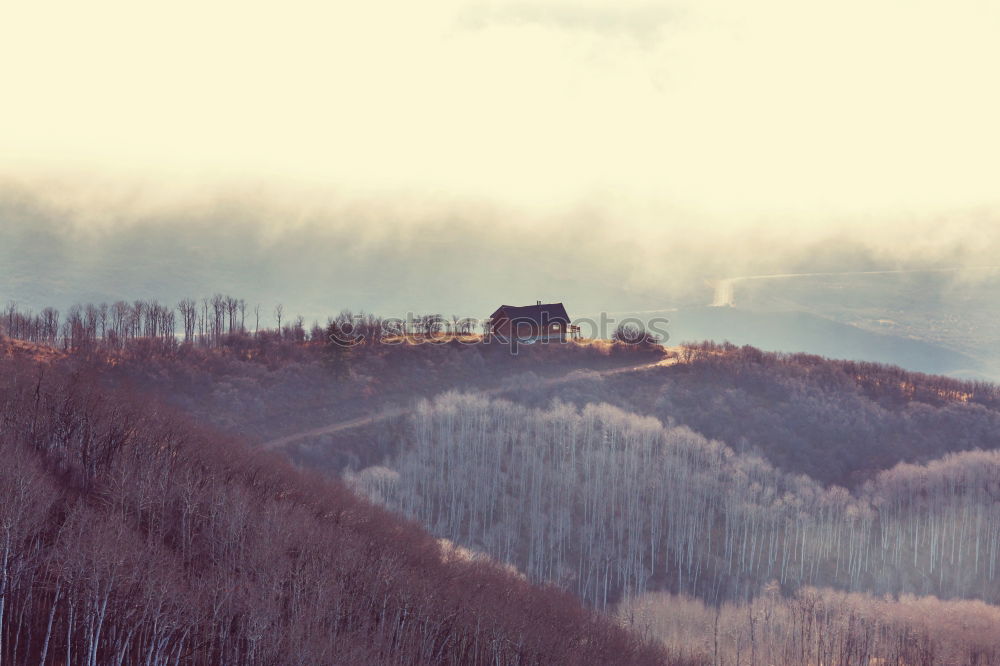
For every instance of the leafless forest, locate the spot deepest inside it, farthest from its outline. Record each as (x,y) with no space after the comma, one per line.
(820,626)
(129,536)
(734,506)
(610,504)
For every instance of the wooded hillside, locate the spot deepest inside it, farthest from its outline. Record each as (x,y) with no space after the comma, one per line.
(611,504)
(130,536)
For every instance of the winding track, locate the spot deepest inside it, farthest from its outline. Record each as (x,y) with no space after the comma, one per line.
(384,415)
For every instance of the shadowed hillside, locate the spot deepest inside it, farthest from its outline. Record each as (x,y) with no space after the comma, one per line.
(129,536)
(837,421)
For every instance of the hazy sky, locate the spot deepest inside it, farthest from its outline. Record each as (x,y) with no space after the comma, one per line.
(715,109)
(445,156)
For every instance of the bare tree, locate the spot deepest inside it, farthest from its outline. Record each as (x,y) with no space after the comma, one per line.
(279,310)
(188,309)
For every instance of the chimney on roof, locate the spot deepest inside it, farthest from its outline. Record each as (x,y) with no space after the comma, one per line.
(538,303)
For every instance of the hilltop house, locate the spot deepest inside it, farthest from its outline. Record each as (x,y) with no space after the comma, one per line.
(531,323)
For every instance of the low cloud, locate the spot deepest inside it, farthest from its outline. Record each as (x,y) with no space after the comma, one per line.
(318,252)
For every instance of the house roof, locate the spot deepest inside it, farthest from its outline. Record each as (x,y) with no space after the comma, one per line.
(544,314)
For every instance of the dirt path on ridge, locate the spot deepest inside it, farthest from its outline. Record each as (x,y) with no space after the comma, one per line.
(396,412)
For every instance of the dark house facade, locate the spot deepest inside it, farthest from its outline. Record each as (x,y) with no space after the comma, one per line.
(542,322)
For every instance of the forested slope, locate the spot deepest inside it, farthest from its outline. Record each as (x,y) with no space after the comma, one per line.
(821,626)
(611,504)
(267,386)
(837,421)
(129,536)
(728,475)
